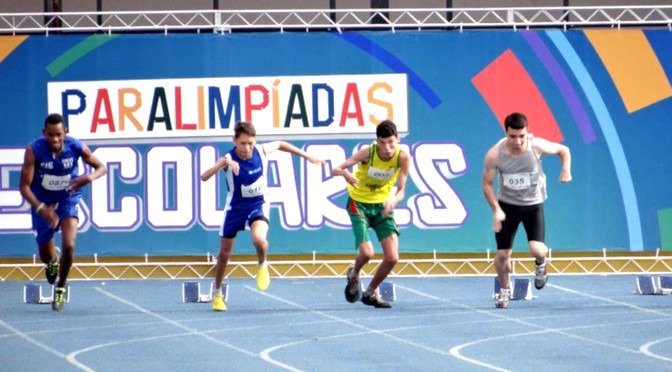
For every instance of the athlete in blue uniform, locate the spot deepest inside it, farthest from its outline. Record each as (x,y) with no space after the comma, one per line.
(51,185)
(246,205)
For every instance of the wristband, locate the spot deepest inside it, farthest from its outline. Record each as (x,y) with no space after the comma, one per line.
(37,210)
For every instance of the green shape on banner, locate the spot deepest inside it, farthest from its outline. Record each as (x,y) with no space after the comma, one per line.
(665,227)
(76,52)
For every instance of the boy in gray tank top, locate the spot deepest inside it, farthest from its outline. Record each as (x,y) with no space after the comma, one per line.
(521,193)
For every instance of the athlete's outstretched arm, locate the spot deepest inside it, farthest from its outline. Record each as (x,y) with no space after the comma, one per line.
(543,146)
(288,147)
(360,156)
(222,163)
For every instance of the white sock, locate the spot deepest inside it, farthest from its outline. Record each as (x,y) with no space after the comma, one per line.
(368,291)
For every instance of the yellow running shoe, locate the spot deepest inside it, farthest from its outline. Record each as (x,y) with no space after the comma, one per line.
(263,277)
(218,303)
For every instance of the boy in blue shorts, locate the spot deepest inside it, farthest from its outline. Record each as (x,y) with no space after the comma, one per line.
(51,185)
(246,205)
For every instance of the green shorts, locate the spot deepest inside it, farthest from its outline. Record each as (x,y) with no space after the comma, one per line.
(365,215)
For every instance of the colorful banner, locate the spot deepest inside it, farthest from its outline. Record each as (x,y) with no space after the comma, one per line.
(159,109)
(333,106)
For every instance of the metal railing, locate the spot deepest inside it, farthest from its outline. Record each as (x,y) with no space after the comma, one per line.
(311,268)
(223,21)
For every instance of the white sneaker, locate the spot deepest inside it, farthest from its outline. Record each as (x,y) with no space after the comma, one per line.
(540,275)
(502,300)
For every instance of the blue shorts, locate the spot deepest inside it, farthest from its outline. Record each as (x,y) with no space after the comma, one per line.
(237,219)
(41,229)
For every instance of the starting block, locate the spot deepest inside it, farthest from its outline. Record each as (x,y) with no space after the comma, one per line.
(521,289)
(385,290)
(191,292)
(653,285)
(32,294)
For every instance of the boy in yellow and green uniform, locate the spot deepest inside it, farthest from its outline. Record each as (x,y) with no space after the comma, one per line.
(371,204)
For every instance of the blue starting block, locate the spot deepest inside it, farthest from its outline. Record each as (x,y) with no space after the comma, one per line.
(385,290)
(191,292)
(521,289)
(32,294)
(665,282)
(653,285)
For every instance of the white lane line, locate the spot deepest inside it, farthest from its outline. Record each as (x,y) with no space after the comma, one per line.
(39,344)
(293,324)
(266,353)
(605,299)
(176,324)
(190,331)
(72,357)
(645,349)
(455,351)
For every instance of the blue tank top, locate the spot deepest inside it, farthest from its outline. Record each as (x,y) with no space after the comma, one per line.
(53,172)
(248,188)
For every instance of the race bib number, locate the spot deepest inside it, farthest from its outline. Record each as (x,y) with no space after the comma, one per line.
(253,190)
(55,183)
(379,174)
(517,181)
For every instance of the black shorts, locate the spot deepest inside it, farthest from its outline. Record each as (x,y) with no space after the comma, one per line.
(532,217)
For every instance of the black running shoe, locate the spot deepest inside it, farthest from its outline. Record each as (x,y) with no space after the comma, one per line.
(352,291)
(58,304)
(374,300)
(52,268)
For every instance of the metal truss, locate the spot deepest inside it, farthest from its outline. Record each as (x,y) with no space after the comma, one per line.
(223,21)
(307,268)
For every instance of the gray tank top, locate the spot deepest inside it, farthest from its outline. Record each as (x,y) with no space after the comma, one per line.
(521,179)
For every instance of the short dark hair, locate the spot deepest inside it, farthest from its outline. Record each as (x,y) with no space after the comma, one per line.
(515,120)
(244,127)
(386,129)
(53,119)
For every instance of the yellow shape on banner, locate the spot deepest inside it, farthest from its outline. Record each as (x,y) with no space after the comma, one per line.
(9,43)
(632,65)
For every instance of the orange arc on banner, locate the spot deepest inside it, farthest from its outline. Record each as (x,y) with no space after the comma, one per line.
(507,87)
(8,44)
(632,65)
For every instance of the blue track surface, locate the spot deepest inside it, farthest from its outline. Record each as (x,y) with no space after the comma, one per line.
(577,323)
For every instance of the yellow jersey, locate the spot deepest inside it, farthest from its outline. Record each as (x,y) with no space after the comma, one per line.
(376,178)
